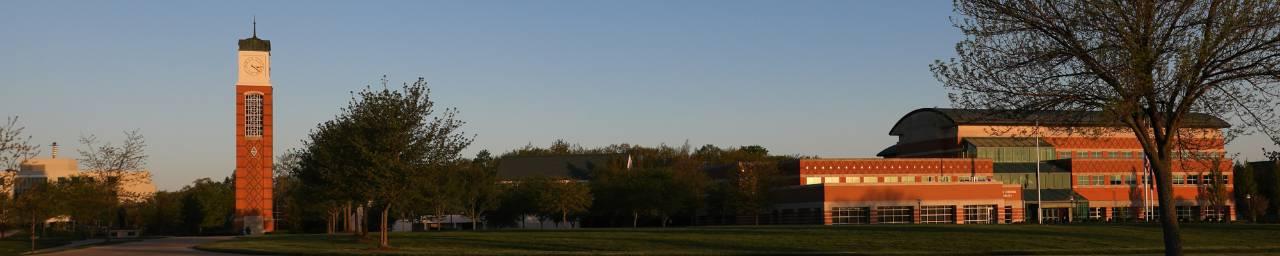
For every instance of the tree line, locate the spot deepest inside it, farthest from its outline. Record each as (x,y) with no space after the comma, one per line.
(391,155)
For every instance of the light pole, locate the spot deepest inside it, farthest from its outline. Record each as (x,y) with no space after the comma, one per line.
(1248,204)
(1071,213)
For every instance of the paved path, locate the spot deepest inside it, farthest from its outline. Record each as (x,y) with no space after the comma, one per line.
(160,246)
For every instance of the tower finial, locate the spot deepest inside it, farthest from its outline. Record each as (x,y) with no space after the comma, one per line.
(255,26)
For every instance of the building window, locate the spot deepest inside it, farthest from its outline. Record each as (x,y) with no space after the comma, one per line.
(1193,179)
(852,179)
(1215,215)
(1116,180)
(908,179)
(850,215)
(1129,179)
(1178,179)
(894,214)
(1097,154)
(1083,180)
(870,180)
(938,214)
(1185,213)
(253,114)
(980,214)
(891,179)
(1064,155)
(1097,213)
(1122,213)
(830,180)
(812,180)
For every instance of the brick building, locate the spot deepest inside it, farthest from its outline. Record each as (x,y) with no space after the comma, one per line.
(979,166)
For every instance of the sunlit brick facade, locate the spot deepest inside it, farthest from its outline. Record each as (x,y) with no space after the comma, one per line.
(253,174)
(972,166)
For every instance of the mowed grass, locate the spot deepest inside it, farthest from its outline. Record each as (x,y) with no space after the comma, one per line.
(862,239)
(20,243)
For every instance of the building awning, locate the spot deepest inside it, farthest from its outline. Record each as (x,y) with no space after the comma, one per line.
(1052,196)
(998,142)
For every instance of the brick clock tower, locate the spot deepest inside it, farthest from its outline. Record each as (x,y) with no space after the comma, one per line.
(253,173)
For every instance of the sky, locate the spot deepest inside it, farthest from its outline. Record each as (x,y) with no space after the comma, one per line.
(824,78)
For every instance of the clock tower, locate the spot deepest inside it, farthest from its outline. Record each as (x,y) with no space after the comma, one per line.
(253,174)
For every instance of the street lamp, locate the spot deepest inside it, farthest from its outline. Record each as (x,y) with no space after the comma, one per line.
(1248,204)
(1071,213)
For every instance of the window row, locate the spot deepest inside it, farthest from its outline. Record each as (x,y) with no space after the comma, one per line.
(1129,179)
(929,214)
(889,179)
(1195,179)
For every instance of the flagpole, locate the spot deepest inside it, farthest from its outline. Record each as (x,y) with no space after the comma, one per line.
(1039,202)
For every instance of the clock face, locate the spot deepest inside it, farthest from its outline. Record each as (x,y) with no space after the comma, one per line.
(254,65)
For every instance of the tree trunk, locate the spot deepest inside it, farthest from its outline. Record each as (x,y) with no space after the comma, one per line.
(664,220)
(1168,216)
(347,218)
(564,217)
(33,232)
(382,237)
(635,219)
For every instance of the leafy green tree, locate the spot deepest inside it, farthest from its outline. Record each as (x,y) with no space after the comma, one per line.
(34,205)
(479,190)
(193,214)
(215,204)
(754,182)
(402,143)
(85,200)
(563,198)
(162,213)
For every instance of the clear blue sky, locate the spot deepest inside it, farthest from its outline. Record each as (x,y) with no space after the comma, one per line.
(823,78)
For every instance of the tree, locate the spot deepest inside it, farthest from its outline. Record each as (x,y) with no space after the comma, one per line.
(1246,190)
(193,214)
(208,204)
(34,205)
(86,200)
(115,165)
(1213,195)
(562,197)
(401,141)
(1146,64)
(479,188)
(14,149)
(689,187)
(754,183)
(327,177)
(162,213)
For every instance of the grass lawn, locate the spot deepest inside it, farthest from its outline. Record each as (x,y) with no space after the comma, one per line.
(20,243)
(861,239)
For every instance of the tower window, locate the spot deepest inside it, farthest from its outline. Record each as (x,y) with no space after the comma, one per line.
(253,114)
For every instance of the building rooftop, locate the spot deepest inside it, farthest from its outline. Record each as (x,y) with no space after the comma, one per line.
(1047,118)
(575,166)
